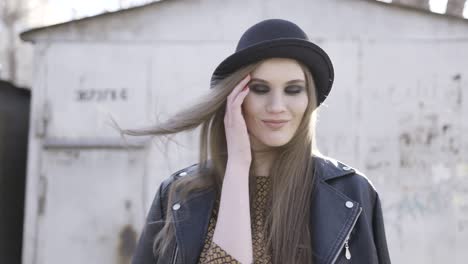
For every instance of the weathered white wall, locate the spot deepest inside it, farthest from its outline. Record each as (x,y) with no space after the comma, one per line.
(15,55)
(396,112)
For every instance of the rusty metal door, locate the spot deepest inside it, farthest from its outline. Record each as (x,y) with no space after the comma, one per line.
(90,183)
(90,205)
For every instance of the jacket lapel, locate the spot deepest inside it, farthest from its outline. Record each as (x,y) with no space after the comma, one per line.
(331,218)
(191,225)
(331,222)
(332,214)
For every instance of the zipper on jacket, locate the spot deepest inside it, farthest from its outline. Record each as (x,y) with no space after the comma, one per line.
(345,243)
(174,257)
(347,253)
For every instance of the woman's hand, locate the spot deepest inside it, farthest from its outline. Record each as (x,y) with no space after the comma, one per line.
(237,137)
(233,228)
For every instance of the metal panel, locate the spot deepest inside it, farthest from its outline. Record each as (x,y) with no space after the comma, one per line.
(90,205)
(103,81)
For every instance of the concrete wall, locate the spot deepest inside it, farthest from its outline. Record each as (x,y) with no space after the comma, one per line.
(396,112)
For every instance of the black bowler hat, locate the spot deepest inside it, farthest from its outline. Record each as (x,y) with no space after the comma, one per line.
(280,38)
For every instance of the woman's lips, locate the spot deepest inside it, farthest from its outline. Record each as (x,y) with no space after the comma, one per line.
(275,124)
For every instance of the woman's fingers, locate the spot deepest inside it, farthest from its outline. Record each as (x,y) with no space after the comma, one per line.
(240,97)
(239,87)
(237,137)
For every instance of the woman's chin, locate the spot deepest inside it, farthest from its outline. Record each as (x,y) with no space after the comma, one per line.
(264,142)
(274,142)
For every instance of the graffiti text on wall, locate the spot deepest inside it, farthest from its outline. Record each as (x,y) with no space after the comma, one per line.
(101,95)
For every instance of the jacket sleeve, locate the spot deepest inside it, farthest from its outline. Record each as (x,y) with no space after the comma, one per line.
(379,233)
(143,253)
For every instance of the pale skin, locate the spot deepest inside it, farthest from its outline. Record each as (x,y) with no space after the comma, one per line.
(263,112)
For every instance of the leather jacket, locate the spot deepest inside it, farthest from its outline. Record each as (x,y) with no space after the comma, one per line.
(347,219)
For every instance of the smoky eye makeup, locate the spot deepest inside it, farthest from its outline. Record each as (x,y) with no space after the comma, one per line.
(294,89)
(263,88)
(259,88)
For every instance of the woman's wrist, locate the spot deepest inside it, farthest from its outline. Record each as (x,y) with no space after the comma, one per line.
(238,167)
(240,161)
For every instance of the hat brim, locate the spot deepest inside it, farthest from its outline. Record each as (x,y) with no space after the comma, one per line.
(311,55)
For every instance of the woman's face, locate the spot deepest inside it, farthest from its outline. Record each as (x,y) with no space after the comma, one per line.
(275,105)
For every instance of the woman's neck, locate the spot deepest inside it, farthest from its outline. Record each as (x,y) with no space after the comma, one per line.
(262,163)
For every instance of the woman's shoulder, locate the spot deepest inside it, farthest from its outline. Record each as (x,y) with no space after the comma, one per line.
(348,181)
(341,175)
(186,171)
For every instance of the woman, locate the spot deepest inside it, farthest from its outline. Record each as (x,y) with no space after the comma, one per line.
(259,194)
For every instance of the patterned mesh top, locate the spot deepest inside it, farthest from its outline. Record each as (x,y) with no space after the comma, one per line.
(214,254)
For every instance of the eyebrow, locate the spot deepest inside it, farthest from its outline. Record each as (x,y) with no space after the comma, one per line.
(288,82)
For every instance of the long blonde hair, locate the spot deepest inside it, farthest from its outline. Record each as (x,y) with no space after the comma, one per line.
(287,223)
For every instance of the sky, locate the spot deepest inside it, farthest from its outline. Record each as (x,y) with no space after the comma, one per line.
(64,10)
(438,6)
(57,11)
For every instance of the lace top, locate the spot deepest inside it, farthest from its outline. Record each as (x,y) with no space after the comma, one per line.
(214,254)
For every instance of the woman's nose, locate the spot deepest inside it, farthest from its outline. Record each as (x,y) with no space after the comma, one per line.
(275,104)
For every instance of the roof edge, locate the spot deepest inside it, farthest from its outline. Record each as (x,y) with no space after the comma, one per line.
(27,35)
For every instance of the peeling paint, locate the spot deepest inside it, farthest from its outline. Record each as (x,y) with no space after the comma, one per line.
(42,195)
(440,173)
(127,243)
(128,204)
(461,170)
(460,201)
(420,203)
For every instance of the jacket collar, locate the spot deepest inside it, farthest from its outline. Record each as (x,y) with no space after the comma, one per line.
(327,168)
(331,220)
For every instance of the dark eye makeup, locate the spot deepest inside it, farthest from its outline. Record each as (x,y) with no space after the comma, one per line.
(262,89)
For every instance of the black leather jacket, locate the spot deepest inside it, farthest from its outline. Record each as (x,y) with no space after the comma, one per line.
(346,209)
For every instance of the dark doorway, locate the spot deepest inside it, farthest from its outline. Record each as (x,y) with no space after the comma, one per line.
(14,127)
